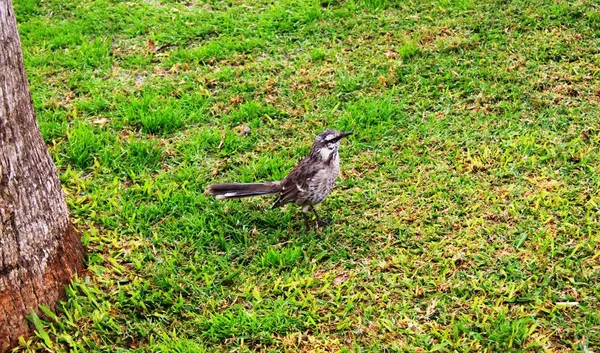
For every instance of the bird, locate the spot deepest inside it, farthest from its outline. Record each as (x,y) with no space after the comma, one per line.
(307,185)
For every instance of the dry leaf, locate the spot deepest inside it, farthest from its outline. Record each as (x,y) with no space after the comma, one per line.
(236,100)
(391,54)
(340,279)
(270,98)
(151,46)
(270,86)
(100,121)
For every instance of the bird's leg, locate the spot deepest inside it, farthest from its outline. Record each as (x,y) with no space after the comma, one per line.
(306,221)
(320,222)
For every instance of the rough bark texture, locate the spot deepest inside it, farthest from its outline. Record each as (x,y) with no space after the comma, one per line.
(39,249)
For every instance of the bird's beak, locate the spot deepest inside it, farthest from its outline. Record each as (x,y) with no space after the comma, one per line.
(342,135)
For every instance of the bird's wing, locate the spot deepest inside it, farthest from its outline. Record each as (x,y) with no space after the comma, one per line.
(295,185)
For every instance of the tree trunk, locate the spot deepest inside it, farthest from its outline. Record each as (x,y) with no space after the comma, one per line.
(39,249)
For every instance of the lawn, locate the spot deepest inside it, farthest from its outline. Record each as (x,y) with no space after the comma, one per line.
(466,216)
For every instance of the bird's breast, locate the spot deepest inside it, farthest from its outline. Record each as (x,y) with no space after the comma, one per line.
(324,180)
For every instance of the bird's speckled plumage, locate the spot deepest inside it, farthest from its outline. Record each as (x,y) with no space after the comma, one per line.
(314,177)
(309,183)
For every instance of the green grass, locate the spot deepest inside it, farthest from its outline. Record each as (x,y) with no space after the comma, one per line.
(466,213)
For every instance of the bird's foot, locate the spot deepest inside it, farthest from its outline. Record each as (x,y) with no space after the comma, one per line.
(307,225)
(318,223)
(322,223)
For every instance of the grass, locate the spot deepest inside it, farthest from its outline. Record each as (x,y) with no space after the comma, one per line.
(466,217)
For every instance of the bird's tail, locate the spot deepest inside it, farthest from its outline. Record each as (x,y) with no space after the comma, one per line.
(236,190)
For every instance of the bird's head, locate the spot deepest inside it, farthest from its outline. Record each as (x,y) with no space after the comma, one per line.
(327,143)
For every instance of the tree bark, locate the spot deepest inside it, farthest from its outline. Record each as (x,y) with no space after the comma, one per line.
(39,249)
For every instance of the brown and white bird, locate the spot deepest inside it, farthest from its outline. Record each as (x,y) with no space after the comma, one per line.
(307,185)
